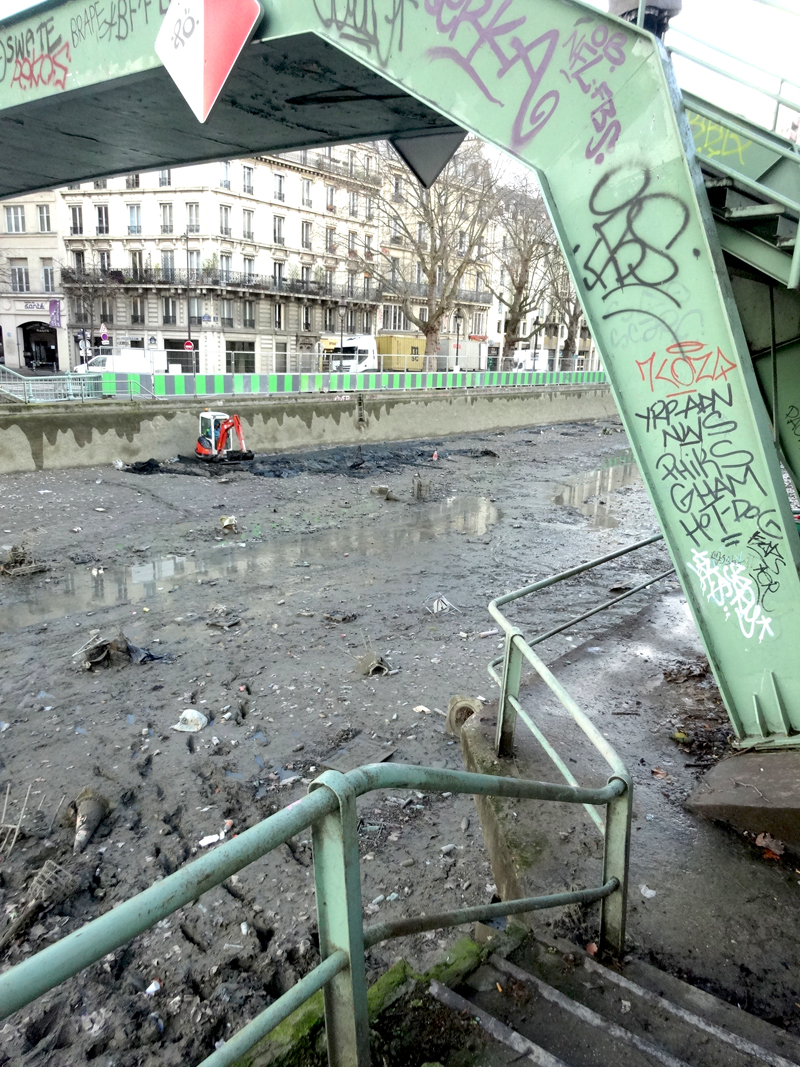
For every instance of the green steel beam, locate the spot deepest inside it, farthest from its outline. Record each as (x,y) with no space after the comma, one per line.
(589,102)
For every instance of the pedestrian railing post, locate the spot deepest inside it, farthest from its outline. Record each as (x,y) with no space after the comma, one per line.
(506,713)
(616,858)
(339,918)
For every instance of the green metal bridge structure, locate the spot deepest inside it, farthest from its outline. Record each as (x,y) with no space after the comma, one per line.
(678,221)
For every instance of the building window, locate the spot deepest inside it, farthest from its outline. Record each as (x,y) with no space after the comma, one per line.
(394,273)
(20,282)
(369,208)
(368,246)
(240,357)
(423,313)
(354,203)
(132,181)
(330,240)
(367,166)
(137,311)
(330,319)
(305,235)
(166,218)
(305,188)
(279,184)
(277,229)
(225,175)
(247,180)
(305,279)
(224,220)
(278,316)
(44,218)
(195,311)
(225,268)
(367,285)
(278,268)
(249,314)
(351,283)
(106,310)
(330,198)
(79,262)
(306,317)
(280,357)
(351,164)
(136,265)
(478,323)
(102,218)
(351,321)
(193,218)
(105,261)
(195,270)
(398,188)
(48,276)
(249,268)
(226,313)
(421,280)
(247,225)
(76,220)
(368,315)
(134,218)
(170,311)
(393,318)
(328,281)
(396,237)
(168,265)
(100,183)
(165,177)
(352,237)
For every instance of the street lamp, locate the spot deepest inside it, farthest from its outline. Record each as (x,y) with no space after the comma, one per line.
(537,324)
(459,317)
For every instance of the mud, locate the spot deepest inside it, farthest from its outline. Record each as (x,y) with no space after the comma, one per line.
(280,686)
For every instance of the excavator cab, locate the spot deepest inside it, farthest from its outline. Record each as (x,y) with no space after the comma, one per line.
(214,442)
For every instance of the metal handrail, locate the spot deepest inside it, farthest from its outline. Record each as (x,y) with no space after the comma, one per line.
(329,808)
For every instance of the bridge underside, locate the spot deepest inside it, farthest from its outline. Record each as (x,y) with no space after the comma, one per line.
(298,92)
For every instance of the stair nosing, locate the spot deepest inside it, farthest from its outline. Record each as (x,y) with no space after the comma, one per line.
(588,1015)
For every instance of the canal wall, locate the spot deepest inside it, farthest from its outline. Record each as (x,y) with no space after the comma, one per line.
(55,436)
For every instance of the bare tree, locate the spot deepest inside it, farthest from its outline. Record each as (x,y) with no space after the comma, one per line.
(85,290)
(564,307)
(430,239)
(525,246)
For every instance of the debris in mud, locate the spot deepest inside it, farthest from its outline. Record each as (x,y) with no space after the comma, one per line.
(459,710)
(52,885)
(190,722)
(20,562)
(144,466)
(357,753)
(98,652)
(90,809)
(684,670)
(341,616)
(439,605)
(371,663)
(229,524)
(773,848)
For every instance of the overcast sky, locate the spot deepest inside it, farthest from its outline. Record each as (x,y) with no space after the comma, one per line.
(747,28)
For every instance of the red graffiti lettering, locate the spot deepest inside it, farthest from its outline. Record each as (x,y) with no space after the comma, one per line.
(30,72)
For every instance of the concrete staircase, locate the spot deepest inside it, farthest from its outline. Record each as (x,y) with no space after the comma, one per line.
(554,1006)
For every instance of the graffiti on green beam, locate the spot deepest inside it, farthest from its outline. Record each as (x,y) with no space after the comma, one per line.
(715,141)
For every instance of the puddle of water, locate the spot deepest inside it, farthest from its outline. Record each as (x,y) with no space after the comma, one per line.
(81,590)
(589,492)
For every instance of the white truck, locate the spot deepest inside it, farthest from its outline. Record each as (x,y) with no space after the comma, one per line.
(127,361)
(354,354)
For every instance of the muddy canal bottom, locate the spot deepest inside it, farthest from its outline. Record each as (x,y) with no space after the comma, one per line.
(589,492)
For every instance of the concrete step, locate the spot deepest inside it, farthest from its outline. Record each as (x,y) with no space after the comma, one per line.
(556,1007)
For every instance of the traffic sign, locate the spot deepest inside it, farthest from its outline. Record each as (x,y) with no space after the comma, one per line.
(199,43)
(188,346)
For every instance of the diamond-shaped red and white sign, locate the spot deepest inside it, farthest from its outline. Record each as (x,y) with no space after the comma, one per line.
(199,43)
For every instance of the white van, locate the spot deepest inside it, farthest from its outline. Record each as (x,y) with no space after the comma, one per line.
(355,354)
(127,361)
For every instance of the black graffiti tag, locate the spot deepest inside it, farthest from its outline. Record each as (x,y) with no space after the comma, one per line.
(767,567)
(359,21)
(624,254)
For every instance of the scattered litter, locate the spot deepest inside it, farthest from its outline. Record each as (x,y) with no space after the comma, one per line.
(447,849)
(439,605)
(357,753)
(371,663)
(20,562)
(680,737)
(99,509)
(305,614)
(379,490)
(684,670)
(153,988)
(211,839)
(100,652)
(488,633)
(773,848)
(420,490)
(658,772)
(190,722)
(591,948)
(341,616)
(624,1006)
(90,809)
(646,892)
(222,620)
(464,824)
(228,523)
(421,709)
(4,726)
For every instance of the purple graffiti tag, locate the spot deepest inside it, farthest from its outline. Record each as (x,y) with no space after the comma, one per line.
(484,19)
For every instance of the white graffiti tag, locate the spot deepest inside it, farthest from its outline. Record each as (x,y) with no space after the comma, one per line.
(731,588)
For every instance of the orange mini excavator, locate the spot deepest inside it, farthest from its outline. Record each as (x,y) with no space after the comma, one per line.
(215,440)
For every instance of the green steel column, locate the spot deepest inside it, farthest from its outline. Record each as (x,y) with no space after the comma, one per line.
(336,870)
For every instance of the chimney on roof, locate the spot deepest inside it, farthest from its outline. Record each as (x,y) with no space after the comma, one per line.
(656,14)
